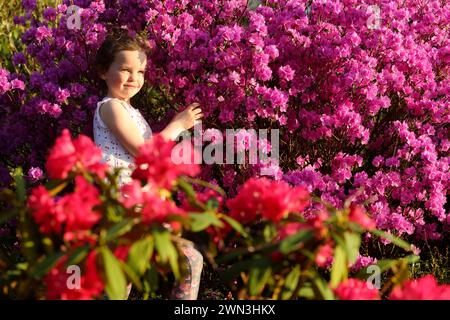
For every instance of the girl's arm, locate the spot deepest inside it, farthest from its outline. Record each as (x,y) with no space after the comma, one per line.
(123,127)
(182,121)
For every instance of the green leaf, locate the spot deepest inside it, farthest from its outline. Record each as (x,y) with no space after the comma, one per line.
(293,242)
(290,283)
(42,268)
(205,184)
(322,287)
(187,188)
(47,245)
(338,239)
(235,225)
(152,278)
(54,183)
(352,243)
(190,193)
(310,255)
(258,278)
(306,292)
(19,183)
(119,229)
(77,255)
(412,258)
(30,235)
(395,240)
(140,254)
(339,269)
(22,266)
(201,221)
(269,232)
(166,250)
(114,213)
(116,286)
(132,275)
(58,188)
(212,204)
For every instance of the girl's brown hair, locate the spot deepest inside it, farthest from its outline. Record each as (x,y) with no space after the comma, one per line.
(117,40)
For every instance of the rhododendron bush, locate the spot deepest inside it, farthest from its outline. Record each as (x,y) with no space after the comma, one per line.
(360,103)
(81,220)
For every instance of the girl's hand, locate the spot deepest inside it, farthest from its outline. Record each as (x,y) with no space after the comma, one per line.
(182,121)
(186,119)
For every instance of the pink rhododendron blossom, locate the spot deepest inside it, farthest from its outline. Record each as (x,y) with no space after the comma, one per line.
(17,84)
(355,289)
(42,33)
(91,283)
(67,155)
(357,214)
(153,207)
(425,288)
(70,214)
(324,256)
(45,212)
(35,173)
(157,164)
(272,200)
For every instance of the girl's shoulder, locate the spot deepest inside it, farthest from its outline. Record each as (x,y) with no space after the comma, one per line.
(106,99)
(102,116)
(105,110)
(124,104)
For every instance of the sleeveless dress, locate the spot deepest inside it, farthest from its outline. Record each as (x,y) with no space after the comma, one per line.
(114,154)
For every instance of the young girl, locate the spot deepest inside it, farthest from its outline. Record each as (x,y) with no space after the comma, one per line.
(120,129)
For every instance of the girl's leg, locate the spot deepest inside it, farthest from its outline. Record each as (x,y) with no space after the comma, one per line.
(187,288)
(128,290)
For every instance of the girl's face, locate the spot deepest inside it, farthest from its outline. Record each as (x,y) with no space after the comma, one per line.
(125,76)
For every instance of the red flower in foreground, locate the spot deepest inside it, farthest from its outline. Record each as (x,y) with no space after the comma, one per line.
(358,215)
(78,206)
(157,164)
(45,212)
(67,155)
(121,252)
(425,288)
(157,209)
(272,199)
(62,157)
(80,237)
(280,199)
(247,204)
(62,284)
(72,214)
(132,194)
(154,208)
(355,289)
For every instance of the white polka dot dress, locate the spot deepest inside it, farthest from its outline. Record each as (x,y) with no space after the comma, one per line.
(114,154)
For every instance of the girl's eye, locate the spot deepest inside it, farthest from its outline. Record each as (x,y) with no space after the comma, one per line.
(127,70)
(142,72)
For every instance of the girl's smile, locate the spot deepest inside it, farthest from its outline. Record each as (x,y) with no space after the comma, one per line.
(125,76)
